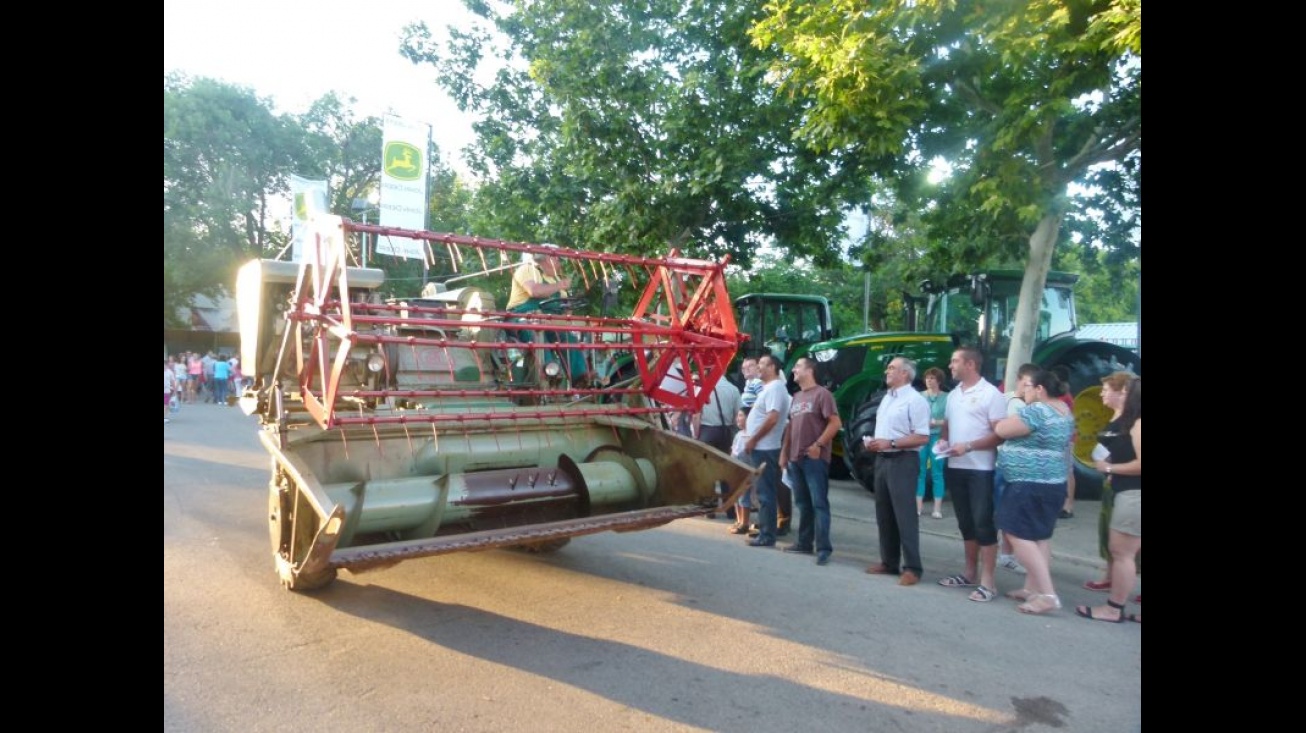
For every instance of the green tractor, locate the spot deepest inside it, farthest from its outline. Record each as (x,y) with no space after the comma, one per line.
(975,310)
(785,326)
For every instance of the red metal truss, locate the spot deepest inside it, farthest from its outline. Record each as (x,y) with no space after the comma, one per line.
(682,324)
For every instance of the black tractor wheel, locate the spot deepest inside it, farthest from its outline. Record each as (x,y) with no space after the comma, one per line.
(861,462)
(1085,366)
(839,470)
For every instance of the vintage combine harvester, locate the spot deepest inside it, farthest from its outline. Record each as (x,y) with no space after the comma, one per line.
(407,428)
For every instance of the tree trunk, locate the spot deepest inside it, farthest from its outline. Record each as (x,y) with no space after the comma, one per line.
(1041,243)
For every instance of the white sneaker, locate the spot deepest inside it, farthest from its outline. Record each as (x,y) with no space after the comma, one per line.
(1009,562)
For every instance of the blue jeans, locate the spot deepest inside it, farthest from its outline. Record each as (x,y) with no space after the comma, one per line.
(811,484)
(767,484)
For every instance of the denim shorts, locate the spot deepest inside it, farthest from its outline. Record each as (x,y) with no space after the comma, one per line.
(1029,510)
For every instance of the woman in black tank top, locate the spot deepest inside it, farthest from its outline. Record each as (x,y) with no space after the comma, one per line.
(1123,439)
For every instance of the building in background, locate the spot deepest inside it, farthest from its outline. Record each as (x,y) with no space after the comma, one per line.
(213,326)
(1120,334)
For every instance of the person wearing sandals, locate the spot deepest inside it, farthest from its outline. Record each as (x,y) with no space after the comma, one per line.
(974,406)
(1114,389)
(930,463)
(745,502)
(766,425)
(1033,458)
(1123,439)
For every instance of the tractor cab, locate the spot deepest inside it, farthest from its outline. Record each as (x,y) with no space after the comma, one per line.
(782,325)
(980,310)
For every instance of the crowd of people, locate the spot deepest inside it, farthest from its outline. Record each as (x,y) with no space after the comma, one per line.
(190,378)
(1003,458)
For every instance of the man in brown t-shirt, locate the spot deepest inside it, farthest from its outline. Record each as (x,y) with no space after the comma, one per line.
(813,423)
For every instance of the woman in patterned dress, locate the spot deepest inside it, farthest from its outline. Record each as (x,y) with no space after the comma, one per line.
(1033,459)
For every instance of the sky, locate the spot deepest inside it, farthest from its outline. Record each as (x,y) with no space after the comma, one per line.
(295,51)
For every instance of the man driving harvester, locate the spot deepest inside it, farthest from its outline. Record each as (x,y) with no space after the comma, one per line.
(537,279)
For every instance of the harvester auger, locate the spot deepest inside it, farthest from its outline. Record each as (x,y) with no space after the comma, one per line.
(412,427)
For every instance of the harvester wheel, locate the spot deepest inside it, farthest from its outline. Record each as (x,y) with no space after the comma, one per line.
(861,461)
(1085,366)
(281,520)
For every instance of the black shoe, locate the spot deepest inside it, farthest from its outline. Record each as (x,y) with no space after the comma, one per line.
(782,532)
(1066,515)
(795,549)
(823,558)
(759,542)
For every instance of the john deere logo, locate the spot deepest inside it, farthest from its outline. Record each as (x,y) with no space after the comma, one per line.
(401,161)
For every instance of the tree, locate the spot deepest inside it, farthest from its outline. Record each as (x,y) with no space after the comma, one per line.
(342,150)
(637,126)
(1021,97)
(227,161)
(225,156)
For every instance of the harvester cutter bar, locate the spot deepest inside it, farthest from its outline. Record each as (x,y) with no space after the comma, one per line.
(383,555)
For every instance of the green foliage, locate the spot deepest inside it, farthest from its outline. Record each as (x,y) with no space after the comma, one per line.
(1022,98)
(225,155)
(227,162)
(1107,292)
(342,150)
(635,126)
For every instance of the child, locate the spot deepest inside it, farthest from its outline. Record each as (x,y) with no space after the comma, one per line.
(745,503)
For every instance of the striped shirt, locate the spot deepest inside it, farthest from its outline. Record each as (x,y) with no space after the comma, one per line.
(1039,457)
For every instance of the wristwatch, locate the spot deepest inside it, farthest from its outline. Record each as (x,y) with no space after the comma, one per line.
(893,443)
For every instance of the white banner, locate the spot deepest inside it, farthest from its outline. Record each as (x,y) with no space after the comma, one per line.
(403,185)
(310,199)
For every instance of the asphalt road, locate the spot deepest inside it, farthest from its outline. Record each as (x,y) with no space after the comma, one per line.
(672,629)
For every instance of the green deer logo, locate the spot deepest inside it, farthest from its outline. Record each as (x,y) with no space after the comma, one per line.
(401,161)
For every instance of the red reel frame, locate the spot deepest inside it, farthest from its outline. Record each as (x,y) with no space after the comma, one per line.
(683,324)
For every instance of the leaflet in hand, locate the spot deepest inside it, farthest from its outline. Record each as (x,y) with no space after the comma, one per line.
(1100,453)
(941,449)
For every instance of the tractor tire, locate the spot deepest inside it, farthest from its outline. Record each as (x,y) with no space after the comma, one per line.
(1086,365)
(861,462)
(839,470)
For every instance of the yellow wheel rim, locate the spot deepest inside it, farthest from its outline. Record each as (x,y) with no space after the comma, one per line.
(1091,417)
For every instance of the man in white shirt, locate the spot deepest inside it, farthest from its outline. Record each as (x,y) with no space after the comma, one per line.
(902,427)
(974,407)
(765,428)
(715,423)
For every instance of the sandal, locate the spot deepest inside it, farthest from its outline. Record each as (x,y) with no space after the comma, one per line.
(1033,608)
(1021,595)
(982,594)
(1100,585)
(956,581)
(1087,613)
(738,529)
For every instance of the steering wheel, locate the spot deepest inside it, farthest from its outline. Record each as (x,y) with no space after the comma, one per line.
(554,306)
